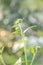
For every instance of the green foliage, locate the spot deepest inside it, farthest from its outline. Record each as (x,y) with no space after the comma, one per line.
(16,11)
(16,26)
(11,59)
(18,30)
(18,22)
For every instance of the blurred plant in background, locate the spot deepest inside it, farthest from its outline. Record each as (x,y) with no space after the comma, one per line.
(31,12)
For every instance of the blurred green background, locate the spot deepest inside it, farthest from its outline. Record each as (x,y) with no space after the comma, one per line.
(31,11)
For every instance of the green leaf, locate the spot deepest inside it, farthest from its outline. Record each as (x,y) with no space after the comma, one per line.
(18,21)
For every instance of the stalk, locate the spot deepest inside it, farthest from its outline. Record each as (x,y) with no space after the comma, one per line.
(22,34)
(34,55)
(1,58)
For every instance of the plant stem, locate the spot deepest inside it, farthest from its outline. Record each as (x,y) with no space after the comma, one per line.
(25,54)
(33,57)
(22,34)
(1,58)
(28,29)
